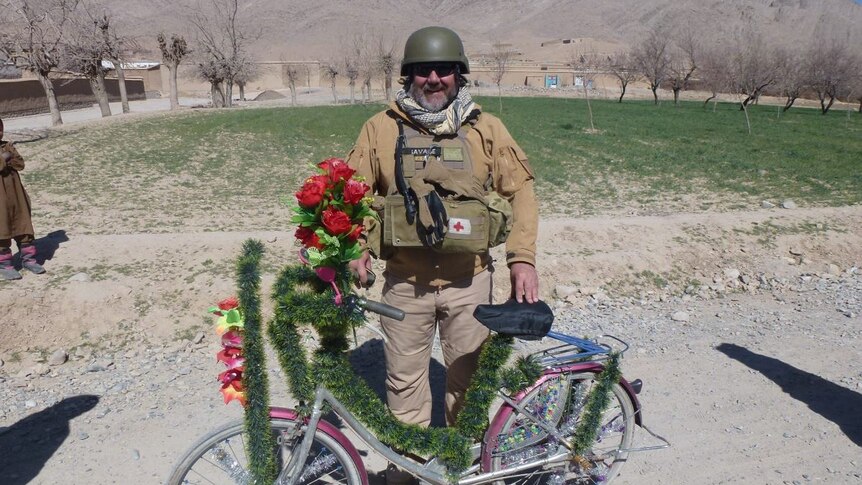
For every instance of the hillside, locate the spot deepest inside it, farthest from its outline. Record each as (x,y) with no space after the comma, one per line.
(300,29)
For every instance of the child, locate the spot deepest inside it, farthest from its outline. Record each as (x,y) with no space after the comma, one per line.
(15,222)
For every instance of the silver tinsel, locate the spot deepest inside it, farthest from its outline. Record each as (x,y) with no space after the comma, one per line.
(227,462)
(320,465)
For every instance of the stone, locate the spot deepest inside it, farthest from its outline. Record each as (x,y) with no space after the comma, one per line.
(767,205)
(680,316)
(564,291)
(796,251)
(732,274)
(199,337)
(29,404)
(80,277)
(788,204)
(59,357)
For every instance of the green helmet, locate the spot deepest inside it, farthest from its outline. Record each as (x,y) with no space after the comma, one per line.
(434,44)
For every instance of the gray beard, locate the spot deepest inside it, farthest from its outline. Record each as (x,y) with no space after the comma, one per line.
(419,95)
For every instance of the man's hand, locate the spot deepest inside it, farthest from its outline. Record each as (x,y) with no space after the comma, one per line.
(525,282)
(360,268)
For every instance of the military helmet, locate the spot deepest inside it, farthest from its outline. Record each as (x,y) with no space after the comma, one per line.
(434,44)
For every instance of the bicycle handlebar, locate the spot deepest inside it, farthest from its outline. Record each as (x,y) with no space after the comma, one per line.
(381,308)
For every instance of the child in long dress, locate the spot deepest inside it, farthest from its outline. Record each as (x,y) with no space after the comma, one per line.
(15,221)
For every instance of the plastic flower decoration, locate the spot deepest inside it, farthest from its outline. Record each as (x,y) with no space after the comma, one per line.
(230,327)
(331,207)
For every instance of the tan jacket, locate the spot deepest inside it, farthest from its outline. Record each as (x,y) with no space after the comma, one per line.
(494,152)
(14,202)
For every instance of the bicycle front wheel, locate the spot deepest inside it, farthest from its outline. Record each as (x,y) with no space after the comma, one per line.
(220,457)
(560,403)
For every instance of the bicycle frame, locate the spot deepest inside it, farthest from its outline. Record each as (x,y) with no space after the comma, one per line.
(558,361)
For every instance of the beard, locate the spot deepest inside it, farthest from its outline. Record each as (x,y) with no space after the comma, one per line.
(433,101)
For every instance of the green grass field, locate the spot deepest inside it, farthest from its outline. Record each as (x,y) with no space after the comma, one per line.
(165,170)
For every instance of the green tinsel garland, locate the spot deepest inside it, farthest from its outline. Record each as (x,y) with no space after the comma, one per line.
(261,443)
(597,402)
(302,299)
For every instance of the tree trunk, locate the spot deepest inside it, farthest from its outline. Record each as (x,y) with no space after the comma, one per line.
(241,91)
(368,90)
(589,107)
(121,82)
(747,120)
(623,93)
(97,84)
(708,100)
(789,103)
(387,86)
(676,96)
(334,93)
(53,105)
(500,97)
(353,92)
(292,86)
(172,74)
(217,95)
(825,108)
(655,94)
(860,105)
(228,93)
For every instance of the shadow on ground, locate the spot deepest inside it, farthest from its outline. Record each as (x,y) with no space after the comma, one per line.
(835,403)
(28,444)
(46,246)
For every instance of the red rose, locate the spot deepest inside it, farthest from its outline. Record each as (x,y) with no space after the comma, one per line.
(336,222)
(308,237)
(336,169)
(228,304)
(354,191)
(311,192)
(355,233)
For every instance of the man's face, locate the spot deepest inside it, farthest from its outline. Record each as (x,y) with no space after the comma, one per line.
(435,85)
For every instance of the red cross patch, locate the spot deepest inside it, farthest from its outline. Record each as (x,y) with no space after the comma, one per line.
(459,226)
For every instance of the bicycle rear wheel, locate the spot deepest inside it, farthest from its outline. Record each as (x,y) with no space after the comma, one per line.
(560,403)
(220,457)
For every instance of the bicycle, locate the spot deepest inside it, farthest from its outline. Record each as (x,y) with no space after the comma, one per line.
(527,441)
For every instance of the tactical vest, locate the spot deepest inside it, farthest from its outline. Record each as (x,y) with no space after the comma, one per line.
(475,218)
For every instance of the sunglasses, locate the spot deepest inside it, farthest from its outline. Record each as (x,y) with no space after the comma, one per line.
(442,70)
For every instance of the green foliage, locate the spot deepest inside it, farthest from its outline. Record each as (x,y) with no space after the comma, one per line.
(597,402)
(261,442)
(473,418)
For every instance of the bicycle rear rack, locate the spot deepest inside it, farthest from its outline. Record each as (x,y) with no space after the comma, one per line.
(576,349)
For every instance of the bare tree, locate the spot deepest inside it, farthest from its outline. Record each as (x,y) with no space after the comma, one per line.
(386,60)
(172,54)
(684,58)
(653,59)
(500,56)
(213,71)
(222,40)
(112,48)
(34,41)
(751,68)
(828,68)
(622,66)
(351,72)
(291,72)
(790,76)
(713,72)
(88,43)
(247,71)
(587,64)
(331,72)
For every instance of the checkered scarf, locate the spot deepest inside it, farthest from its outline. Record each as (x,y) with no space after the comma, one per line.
(445,122)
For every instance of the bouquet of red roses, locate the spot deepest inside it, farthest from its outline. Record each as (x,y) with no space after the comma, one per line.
(332,206)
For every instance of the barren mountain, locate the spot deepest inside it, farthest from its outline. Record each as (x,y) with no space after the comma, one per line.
(302,29)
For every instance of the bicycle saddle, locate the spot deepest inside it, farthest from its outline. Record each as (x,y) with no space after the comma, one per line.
(527,321)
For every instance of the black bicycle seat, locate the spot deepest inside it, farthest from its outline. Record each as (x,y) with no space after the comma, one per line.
(527,321)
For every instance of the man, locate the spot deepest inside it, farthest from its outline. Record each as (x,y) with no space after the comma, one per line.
(434,119)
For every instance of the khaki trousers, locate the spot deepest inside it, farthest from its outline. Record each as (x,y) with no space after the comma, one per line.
(409,343)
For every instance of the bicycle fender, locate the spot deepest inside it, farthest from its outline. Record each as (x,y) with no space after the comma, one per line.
(331,430)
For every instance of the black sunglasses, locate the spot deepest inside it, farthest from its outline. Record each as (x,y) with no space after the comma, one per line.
(442,70)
